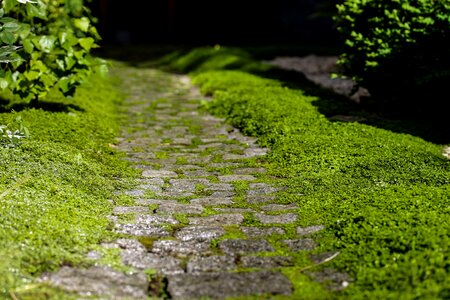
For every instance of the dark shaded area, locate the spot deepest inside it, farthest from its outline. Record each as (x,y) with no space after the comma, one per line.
(6,106)
(211,22)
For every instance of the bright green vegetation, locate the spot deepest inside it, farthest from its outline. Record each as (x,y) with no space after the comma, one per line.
(383,196)
(47,44)
(56,184)
(398,49)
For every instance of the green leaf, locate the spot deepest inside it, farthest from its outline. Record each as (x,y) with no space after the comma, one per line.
(2,12)
(70,62)
(82,24)
(32,75)
(28,46)
(37,11)
(87,43)
(7,37)
(46,43)
(7,20)
(9,4)
(3,83)
(11,26)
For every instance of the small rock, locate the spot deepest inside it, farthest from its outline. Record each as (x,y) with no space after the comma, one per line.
(166,265)
(119,210)
(223,285)
(261,189)
(252,199)
(219,187)
(223,219)
(101,281)
(278,207)
(141,230)
(254,152)
(199,233)
(234,210)
(244,171)
(153,219)
(213,201)
(170,208)
(230,178)
(234,247)
(309,230)
(180,248)
(159,174)
(211,264)
(259,232)
(334,280)
(301,245)
(278,219)
(265,262)
(134,193)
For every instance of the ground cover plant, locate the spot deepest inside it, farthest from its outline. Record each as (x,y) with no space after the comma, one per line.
(56,183)
(383,196)
(46,44)
(398,49)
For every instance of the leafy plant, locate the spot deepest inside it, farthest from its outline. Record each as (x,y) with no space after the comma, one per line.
(398,49)
(56,37)
(12,138)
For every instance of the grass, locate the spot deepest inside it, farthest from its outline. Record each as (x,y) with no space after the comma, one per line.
(58,183)
(382,195)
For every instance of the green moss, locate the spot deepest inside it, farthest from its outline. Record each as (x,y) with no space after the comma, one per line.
(60,180)
(383,196)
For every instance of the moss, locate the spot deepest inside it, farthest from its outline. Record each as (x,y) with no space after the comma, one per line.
(60,178)
(383,196)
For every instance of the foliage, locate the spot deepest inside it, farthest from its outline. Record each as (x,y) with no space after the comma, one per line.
(56,37)
(11,138)
(398,49)
(55,185)
(383,196)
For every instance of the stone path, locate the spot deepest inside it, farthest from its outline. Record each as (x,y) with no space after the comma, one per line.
(203,225)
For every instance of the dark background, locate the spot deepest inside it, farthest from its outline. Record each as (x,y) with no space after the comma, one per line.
(215,21)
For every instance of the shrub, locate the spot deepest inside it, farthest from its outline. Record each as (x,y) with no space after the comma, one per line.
(399,49)
(56,37)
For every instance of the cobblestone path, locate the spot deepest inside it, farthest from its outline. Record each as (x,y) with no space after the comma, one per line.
(204,224)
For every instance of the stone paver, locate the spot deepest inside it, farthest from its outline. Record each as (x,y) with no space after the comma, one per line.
(188,222)
(100,281)
(278,219)
(309,230)
(301,245)
(222,285)
(244,246)
(223,219)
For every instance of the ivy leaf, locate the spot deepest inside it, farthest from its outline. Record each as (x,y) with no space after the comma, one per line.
(2,12)
(3,83)
(11,26)
(37,11)
(7,37)
(86,43)
(82,24)
(28,46)
(9,4)
(46,43)
(7,20)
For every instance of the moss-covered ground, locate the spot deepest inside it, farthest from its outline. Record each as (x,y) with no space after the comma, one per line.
(55,185)
(379,186)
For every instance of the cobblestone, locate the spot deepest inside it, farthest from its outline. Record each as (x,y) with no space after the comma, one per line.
(223,219)
(244,246)
(189,164)
(277,219)
(223,285)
